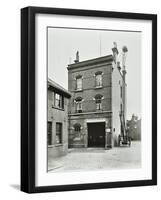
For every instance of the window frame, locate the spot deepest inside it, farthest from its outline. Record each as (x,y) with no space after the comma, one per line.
(59,134)
(98,100)
(77,127)
(78,104)
(49,144)
(79,77)
(60,105)
(99,82)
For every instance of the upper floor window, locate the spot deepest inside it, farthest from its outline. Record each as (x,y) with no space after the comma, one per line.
(79,82)
(98,99)
(98,76)
(59,101)
(78,102)
(53,98)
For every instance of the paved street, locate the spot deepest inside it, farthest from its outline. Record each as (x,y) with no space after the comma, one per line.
(98,159)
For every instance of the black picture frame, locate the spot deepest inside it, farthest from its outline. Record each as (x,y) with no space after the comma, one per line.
(28,98)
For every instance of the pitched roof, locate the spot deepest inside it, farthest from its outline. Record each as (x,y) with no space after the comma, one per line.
(103,59)
(58,88)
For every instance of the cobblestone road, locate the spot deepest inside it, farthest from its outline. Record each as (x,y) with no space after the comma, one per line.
(98,159)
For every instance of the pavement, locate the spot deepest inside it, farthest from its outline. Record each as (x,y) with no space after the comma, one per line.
(98,159)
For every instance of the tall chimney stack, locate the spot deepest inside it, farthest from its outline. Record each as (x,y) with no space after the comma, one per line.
(77,57)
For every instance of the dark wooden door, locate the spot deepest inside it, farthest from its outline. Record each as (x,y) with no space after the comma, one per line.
(96,134)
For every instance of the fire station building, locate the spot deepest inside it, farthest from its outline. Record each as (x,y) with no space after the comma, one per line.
(97,107)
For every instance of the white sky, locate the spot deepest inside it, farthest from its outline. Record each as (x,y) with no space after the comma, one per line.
(63,44)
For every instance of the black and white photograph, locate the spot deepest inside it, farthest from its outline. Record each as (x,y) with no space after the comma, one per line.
(89,83)
(93,99)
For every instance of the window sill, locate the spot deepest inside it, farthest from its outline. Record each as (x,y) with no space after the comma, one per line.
(99,110)
(50,146)
(62,109)
(55,145)
(98,87)
(58,145)
(79,90)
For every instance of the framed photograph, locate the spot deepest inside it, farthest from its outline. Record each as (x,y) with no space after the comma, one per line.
(88,99)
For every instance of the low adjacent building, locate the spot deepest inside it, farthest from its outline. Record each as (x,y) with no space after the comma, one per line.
(57,127)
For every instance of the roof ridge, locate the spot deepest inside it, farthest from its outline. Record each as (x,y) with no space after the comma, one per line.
(57,86)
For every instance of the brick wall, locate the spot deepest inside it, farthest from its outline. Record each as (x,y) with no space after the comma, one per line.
(88,93)
(89,88)
(61,116)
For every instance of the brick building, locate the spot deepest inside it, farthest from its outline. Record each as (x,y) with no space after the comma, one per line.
(134,127)
(97,106)
(57,126)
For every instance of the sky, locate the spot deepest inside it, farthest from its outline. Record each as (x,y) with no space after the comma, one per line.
(63,43)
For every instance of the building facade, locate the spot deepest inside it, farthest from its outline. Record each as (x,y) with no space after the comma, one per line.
(97,88)
(119,88)
(57,127)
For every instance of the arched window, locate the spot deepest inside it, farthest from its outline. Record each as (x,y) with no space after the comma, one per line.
(98,99)
(78,102)
(79,82)
(98,77)
(77,127)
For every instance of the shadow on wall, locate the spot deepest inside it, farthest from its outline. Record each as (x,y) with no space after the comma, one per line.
(15,186)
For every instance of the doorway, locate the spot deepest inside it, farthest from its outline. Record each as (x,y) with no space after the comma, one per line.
(96,134)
